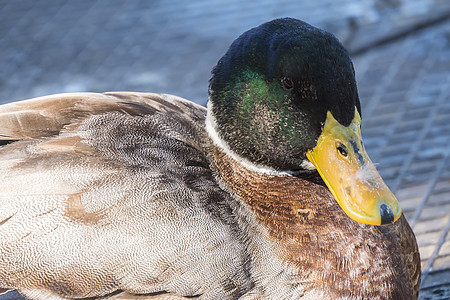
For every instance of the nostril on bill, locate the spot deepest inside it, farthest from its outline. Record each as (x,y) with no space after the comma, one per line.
(387,216)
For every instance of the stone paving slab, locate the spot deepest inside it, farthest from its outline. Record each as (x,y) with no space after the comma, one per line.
(401,53)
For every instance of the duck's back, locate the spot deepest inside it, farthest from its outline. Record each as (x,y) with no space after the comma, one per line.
(107,192)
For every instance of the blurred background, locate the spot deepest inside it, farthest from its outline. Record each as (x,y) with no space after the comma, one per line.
(400,49)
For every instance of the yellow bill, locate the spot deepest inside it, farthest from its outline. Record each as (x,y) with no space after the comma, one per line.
(345,167)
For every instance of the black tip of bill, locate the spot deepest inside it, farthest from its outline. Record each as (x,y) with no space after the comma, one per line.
(387,216)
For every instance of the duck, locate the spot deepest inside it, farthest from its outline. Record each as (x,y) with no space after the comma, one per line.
(267,193)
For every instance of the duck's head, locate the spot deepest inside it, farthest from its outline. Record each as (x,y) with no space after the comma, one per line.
(283,99)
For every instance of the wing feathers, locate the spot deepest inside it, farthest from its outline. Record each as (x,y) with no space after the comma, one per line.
(48,115)
(106,192)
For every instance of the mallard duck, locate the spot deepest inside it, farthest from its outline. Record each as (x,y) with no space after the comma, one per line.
(266,194)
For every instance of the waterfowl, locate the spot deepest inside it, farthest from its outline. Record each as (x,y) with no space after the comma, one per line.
(266,194)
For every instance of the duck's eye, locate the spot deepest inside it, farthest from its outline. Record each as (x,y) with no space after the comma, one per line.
(287,83)
(342,150)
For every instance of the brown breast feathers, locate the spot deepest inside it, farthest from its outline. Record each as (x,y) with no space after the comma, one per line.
(331,252)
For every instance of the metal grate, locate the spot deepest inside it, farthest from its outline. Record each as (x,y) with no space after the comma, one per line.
(405,87)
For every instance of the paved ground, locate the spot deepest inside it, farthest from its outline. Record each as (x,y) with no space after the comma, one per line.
(400,48)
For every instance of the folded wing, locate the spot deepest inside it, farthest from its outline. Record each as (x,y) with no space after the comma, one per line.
(107,192)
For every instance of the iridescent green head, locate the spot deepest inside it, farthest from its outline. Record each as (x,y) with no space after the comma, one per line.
(270,93)
(284,98)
